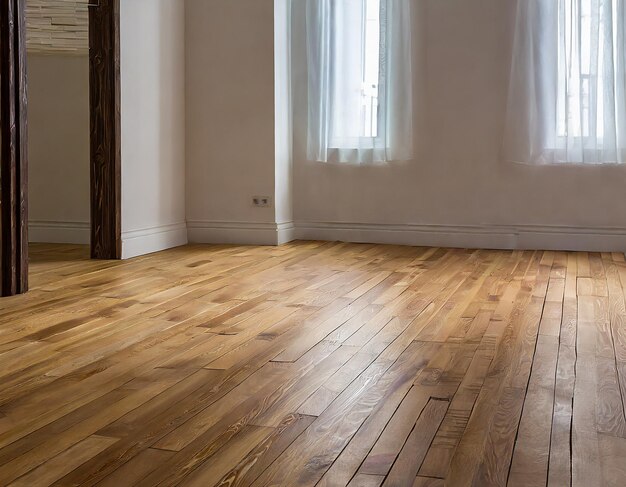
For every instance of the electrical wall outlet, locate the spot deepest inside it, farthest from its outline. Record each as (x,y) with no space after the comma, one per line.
(262,201)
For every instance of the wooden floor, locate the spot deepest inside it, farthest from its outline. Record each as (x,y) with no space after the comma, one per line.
(315,364)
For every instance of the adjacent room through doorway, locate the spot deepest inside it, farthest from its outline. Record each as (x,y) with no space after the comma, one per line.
(57,40)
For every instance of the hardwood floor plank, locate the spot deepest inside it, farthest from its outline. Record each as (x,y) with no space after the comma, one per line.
(352,456)
(445,443)
(81,430)
(484,452)
(610,408)
(138,468)
(315,363)
(213,469)
(310,456)
(585,444)
(414,450)
(248,469)
(428,482)
(612,465)
(362,480)
(382,457)
(532,448)
(65,462)
(560,466)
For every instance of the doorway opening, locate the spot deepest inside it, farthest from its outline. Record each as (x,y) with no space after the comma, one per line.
(57,58)
(75,173)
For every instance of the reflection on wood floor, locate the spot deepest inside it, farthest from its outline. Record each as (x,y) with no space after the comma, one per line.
(315,363)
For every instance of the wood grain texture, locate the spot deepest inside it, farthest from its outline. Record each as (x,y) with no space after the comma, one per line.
(13,150)
(412,455)
(315,364)
(105,129)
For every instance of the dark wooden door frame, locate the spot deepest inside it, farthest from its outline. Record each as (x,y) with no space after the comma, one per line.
(105,129)
(13,152)
(105,139)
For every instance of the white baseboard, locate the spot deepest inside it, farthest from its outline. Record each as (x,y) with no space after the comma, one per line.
(286,232)
(241,233)
(543,237)
(59,232)
(154,239)
(506,237)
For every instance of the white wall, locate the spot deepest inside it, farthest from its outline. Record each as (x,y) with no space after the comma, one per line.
(232,137)
(283,137)
(206,126)
(458,190)
(153,125)
(58,145)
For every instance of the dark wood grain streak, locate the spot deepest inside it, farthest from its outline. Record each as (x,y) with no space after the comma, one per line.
(105,134)
(14,157)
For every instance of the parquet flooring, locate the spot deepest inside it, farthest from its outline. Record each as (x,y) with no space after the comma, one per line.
(315,363)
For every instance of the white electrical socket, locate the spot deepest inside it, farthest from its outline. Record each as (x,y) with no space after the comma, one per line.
(262,201)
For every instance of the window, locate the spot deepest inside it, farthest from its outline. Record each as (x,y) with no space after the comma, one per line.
(360,80)
(371,69)
(356,73)
(567,94)
(586,30)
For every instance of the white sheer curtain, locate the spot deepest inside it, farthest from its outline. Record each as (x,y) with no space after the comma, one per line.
(359,80)
(567,98)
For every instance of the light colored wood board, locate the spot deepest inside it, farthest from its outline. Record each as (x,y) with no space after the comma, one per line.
(439,457)
(532,447)
(560,466)
(612,465)
(585,446)
(210,472)
(493,467)
(382,457)
(410,459)
(609,405)
(317,402)
(345,466)
(253,464)
(80,430)
(312,453)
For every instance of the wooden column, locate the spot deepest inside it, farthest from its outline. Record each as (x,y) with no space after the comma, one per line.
(104,89)
(13,152)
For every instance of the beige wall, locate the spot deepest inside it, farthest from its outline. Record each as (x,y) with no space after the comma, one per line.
(238,121)
(230,119)
(58,144)
(153,125)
